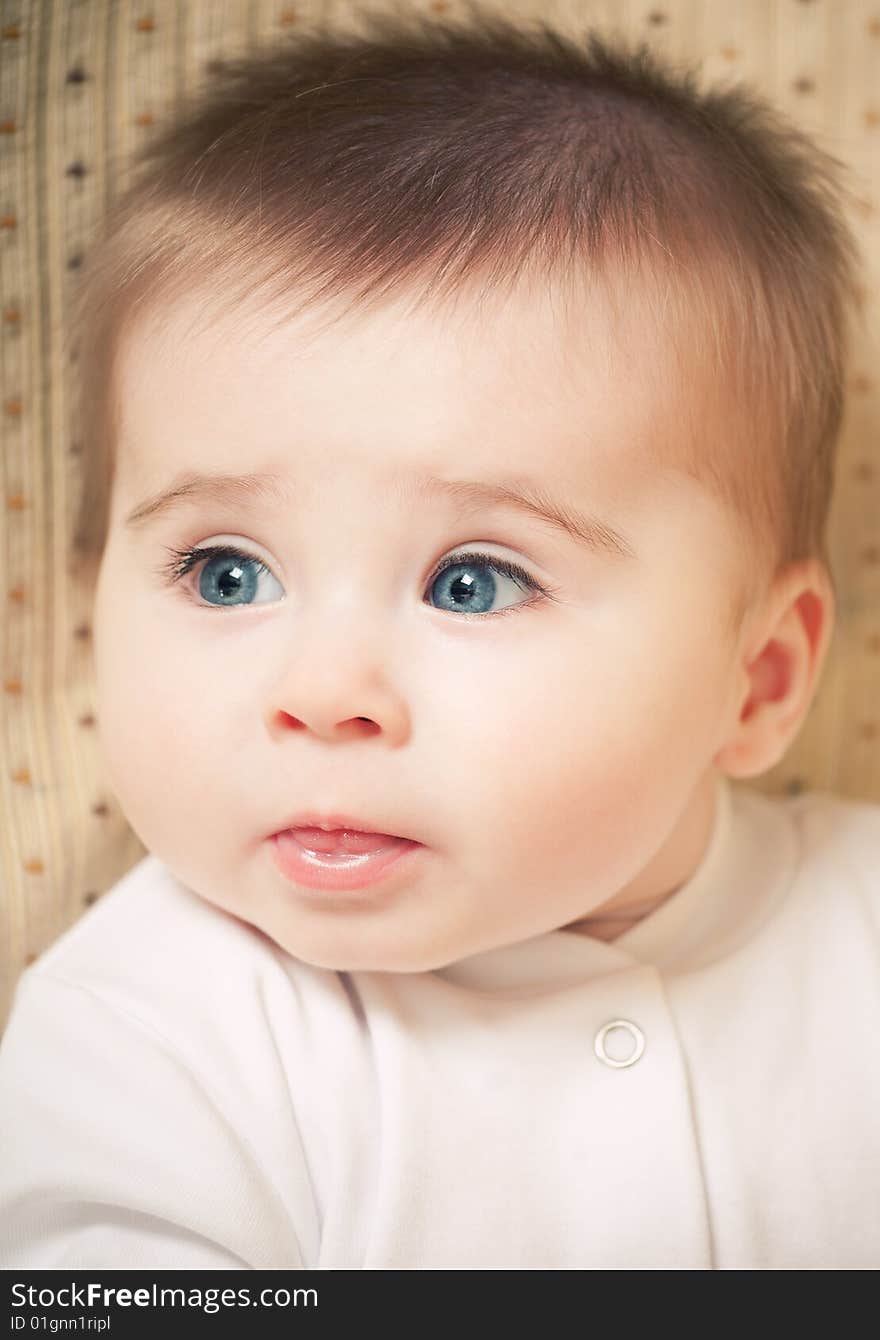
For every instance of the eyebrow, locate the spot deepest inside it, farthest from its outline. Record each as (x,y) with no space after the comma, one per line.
(245,490)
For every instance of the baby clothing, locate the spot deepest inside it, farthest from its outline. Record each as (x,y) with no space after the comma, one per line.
(703,1092)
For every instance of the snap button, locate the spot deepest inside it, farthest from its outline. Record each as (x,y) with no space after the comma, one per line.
(621,1052)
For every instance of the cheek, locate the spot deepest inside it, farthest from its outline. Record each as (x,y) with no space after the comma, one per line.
(157,719)
(575,751)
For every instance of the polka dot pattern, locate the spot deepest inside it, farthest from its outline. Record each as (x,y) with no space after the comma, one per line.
(65,839)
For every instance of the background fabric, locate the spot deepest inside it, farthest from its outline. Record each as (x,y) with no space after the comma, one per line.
(82,84)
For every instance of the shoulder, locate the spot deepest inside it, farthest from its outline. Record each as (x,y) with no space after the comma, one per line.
(839,829)
(824,824)
(154,951)
(150,927)
(149,1075)
(838,867)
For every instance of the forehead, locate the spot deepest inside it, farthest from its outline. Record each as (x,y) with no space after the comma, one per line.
(546,382)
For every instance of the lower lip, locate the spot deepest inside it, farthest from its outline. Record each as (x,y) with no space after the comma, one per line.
(317,871)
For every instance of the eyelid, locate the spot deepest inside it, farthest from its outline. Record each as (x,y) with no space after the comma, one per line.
(505,565)
(183,560)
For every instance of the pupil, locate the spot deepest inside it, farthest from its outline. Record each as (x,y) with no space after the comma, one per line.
(461,589)
(229,587)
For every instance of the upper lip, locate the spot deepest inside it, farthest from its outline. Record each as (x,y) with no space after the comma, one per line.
(329,822)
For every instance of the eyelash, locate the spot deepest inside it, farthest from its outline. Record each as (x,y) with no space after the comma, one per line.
(183,561)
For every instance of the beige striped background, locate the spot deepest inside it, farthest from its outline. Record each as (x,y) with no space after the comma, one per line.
(82,84)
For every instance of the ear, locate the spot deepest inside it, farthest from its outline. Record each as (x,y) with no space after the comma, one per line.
(779,664)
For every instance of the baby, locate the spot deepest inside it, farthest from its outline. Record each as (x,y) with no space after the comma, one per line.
(461,404)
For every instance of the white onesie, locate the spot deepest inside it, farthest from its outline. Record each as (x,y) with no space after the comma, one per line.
(178,1092)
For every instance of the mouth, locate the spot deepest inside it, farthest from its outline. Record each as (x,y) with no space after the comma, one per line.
(323,856)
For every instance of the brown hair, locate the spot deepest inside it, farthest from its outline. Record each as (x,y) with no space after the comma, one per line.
(349,164)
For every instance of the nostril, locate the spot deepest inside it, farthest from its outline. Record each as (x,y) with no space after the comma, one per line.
(293,721)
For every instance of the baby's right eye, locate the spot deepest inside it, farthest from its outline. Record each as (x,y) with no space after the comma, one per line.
(226,572)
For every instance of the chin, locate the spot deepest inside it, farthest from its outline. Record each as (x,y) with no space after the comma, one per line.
(339,958)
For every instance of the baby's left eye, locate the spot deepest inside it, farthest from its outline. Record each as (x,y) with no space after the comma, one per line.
(464,582)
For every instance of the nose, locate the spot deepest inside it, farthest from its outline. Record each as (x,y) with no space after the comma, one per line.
(340,683)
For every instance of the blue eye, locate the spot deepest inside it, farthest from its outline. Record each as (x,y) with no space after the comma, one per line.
(465,584)
(226,574)
(462,583)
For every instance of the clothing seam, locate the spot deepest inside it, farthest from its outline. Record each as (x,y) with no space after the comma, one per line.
(355,999)
(319,1220)
(685,1063)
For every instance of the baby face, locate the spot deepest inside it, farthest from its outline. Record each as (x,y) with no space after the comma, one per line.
(541,715)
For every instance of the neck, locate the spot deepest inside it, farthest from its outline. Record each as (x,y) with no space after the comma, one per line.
(607,926)
(671,867)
